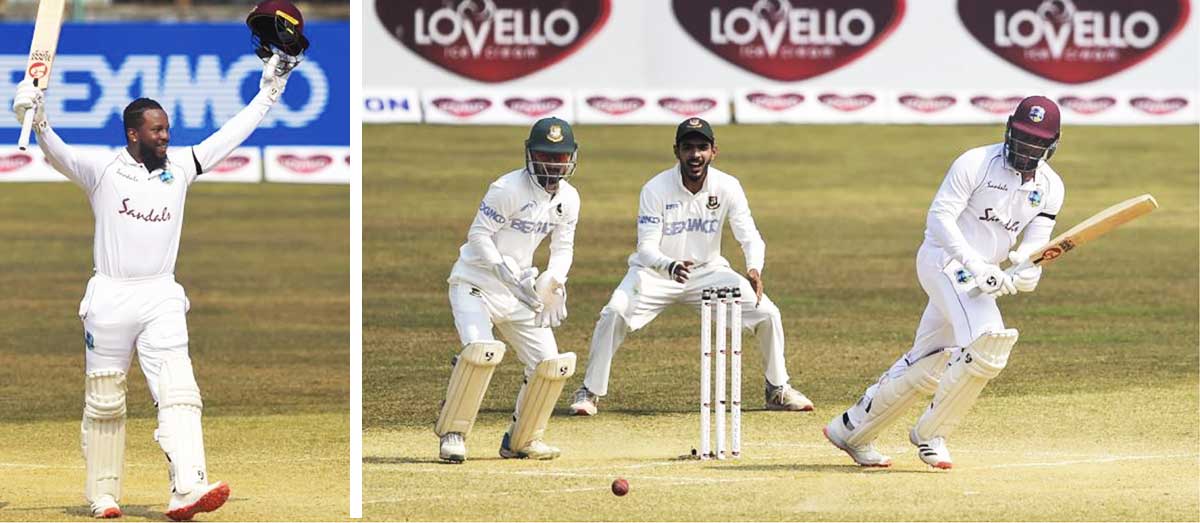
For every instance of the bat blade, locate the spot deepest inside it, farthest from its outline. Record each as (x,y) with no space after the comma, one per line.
(1098,225)
(42,50)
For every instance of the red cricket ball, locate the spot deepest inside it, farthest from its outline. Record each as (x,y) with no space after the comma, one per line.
(620,487)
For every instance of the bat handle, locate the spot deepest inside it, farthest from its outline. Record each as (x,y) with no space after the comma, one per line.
(1011,271)
(26,126)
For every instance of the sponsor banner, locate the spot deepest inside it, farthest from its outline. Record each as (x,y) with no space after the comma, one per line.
(1163,107)
(244,165)
(391,106)
(307,164)
(483,106)
(771,105)
(201,73)
(652,106)
(31,165)
(852,105)
(1126,108)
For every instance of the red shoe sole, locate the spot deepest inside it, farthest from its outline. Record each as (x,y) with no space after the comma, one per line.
(111,513)
(825,431)
(943,465)
(209,502)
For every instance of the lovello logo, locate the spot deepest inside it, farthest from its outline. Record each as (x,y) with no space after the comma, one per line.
(305,164)
(996,105)
(789,40)
(462,108)
(846,103)
(534,108)
(14,162)
(231,163)
(780,102)
(615,106)
(1158,106)
(1083,105)
(493,40)
(687,107)
(1073,41)
(924,104)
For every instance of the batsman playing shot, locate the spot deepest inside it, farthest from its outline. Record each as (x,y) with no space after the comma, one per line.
(494,284)
(681,215)
(990,196)
(132,302)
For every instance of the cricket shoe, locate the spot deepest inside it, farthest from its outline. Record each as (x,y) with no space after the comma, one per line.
(453,448)
(932,452)
(584,402)
(864,455)
(183,507)
(537,449)
(106,508)
(784,397)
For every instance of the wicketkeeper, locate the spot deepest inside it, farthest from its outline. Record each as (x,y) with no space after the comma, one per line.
(494,284)
(132,301)
(990,196)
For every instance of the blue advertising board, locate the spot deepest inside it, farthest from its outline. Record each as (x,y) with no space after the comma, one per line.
(201,73)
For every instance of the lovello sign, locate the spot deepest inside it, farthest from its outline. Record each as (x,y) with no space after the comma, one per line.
(1073,41)
(493,40)
(789,40)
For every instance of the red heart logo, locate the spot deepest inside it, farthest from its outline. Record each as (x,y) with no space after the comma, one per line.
(1157,106)
(615,107)
(687,107)
(1087,105)
(785,42)
(846,103)
(305,165)
(493,40)
(534,108)
(14,162)
(231,163)
(996,105)
(1073,41)
(462,108)
(927,104)
(781,102)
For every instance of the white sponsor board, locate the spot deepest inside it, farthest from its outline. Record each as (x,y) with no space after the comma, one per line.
(615,106)
(307,164)
(31,165)
(244,165)
(391,105)
(492,106)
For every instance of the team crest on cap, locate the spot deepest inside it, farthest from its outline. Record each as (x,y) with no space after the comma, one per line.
(1035,198)
(694,123)
(713,203)
(555,135)
(1037,113)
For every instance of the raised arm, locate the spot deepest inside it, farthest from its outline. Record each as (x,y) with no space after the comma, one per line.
(216,147)
(64,158)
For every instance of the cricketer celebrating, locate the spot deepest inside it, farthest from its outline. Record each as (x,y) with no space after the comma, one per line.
(494,283)
(989,196)
(680,218)
(132,300)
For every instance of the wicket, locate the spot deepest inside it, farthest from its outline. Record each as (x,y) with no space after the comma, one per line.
(726,305)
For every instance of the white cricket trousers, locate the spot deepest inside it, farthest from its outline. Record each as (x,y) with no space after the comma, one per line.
(643,294)
(121,315)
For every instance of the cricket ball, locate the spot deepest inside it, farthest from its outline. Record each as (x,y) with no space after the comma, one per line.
(620,487)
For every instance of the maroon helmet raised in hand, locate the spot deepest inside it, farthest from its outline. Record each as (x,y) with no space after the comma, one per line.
(277,28)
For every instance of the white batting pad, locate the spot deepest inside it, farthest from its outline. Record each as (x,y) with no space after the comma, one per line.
(891,397)
(468,382)
(963,381)
(536,401)
(102,433)
(179,432)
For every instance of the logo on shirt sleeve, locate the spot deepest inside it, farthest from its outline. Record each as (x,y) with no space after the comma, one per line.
(1035,198)
(485,210)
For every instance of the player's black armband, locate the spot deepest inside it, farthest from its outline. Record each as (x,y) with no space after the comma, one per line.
(196,161)
(1051,216)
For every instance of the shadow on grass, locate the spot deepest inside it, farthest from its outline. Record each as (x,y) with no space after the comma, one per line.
(840,468)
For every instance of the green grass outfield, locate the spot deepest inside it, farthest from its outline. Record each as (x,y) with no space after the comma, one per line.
(266,267)
(1095,417)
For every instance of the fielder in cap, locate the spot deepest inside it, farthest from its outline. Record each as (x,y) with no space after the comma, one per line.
(494,284)
(989,197)
(680,218)
(133,302)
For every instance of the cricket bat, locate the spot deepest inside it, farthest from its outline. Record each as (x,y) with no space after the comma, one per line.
(1098,225)
(41,55)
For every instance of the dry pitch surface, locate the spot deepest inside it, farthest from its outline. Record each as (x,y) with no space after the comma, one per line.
(266,268)
(1094,419)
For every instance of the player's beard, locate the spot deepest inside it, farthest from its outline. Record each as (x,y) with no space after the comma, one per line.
(151,157)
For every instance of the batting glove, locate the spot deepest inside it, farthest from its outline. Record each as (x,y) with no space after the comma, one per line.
(990,279)
(1025,277)
(274,79)
(29,97)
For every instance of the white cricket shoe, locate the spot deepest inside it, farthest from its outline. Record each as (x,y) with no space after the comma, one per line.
(784,397)
(584,402)
(537,449)
(932,452)
(203,499)
(453,448)
(864,455)
(106,508)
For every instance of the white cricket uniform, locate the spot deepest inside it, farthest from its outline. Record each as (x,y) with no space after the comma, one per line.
(675,225)
(132,300)
(514,217)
